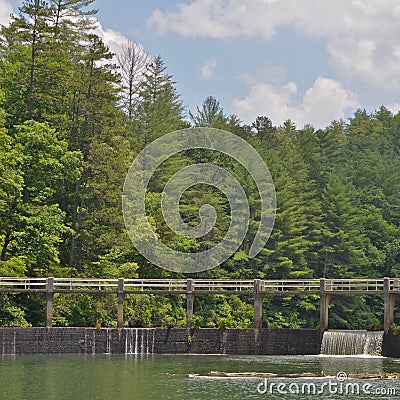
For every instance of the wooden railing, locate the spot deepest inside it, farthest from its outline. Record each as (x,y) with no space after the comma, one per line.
(200,286)
(324,288)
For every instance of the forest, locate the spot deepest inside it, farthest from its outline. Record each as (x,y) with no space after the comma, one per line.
(73,117)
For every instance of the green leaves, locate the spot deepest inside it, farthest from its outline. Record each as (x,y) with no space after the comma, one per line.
(210,114)
(159,110)
(32,224)
(69,128)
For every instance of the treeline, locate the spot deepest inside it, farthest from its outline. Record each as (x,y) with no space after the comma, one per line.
(72,119)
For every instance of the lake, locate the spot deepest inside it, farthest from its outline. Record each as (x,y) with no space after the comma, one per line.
(79,377)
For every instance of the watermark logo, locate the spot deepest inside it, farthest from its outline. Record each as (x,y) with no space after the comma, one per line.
(340,385)
(146,163)
(341,376)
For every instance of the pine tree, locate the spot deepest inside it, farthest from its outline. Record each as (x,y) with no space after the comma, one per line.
(210,114)
(69,16)
(24,45)
(159,111)
(343,243)
(96,130)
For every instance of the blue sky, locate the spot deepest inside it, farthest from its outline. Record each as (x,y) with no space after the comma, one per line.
(312,61)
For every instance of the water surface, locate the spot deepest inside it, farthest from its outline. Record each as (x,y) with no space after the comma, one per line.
(79,377)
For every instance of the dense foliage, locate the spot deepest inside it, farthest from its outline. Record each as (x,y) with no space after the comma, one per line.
(71,122)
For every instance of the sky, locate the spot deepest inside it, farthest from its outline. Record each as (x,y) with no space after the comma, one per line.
(311,61)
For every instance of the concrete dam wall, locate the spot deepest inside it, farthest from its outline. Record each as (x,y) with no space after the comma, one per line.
(14,341)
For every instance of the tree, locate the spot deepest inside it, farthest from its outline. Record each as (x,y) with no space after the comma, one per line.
(26,41)
(132,61)
(264,130)
(159,110)
(11,187)
(96,130)
(33,225)
(210,113)
(343,243)
(70,15)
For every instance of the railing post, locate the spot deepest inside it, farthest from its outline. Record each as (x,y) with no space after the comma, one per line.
(324,299)
(259,293)
(390,299)
(49,302)
(189,303)
(121,295)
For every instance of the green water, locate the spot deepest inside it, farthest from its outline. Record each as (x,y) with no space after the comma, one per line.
(166,377)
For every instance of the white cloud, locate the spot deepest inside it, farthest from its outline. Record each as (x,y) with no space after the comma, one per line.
(361,35)
(5,11)
(265,99)
(207,70)
(325,101)
(216,18)
(114,40)
(233,18)
(374,62)
(394,108)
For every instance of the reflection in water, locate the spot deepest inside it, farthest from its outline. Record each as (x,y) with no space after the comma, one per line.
(165,377)
(352,365)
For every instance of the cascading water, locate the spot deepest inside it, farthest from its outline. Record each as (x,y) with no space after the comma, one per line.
(108,341)
(131,341)
(336,342)
(139,341)
(136,341)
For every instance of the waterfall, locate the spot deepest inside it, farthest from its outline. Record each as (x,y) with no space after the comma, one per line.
(139,341)
(337,342)
(136,341)
(130,341)
(108,341)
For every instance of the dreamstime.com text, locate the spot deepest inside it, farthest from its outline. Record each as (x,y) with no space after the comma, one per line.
(335,386)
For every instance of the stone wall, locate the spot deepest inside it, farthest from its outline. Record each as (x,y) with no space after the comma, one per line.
(169,341)
(391,345)
(158,341)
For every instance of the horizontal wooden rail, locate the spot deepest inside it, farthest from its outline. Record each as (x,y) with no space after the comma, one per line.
(200,286)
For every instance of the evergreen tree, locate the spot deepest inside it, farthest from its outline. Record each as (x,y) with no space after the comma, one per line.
(342,252)
(24,52)
(210,114)
(97,131)
(159,110)
(69,16)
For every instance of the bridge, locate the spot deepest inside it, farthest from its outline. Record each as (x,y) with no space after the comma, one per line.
(389,288)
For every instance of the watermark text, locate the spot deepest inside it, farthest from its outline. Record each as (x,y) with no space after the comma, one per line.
(340,385)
